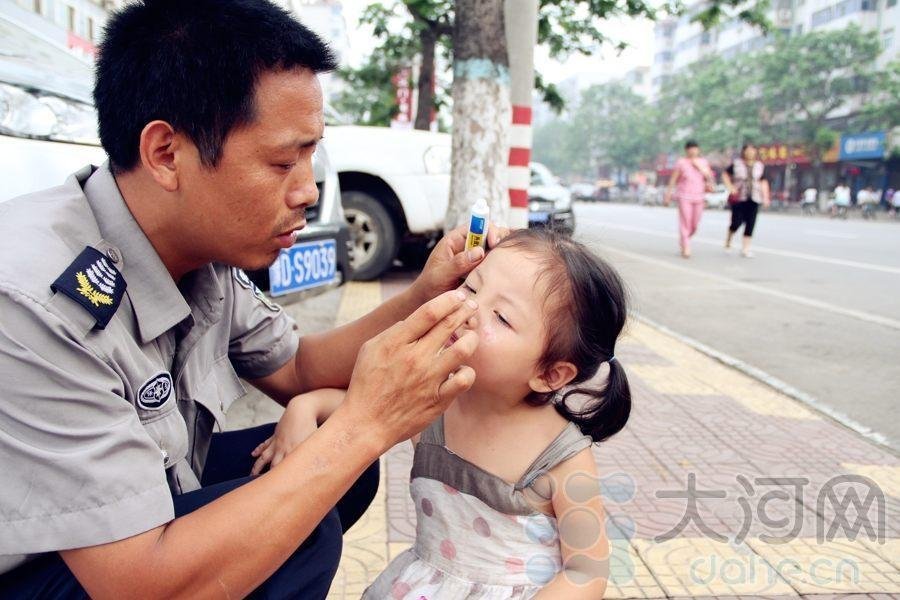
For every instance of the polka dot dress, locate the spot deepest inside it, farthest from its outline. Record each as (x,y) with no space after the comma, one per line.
(477,538)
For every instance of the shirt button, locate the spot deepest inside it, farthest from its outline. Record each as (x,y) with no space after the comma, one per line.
(113,255)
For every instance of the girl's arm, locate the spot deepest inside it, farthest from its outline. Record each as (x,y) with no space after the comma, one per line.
(582,531)
(302,416)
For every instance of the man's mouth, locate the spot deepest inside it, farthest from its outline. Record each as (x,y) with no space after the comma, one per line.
(288,238)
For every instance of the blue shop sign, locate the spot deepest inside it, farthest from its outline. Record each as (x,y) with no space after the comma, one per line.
(862,145)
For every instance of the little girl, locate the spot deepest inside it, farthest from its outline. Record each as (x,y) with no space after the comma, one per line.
(505,487)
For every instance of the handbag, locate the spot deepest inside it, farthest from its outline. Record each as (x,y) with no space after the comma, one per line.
(733,199)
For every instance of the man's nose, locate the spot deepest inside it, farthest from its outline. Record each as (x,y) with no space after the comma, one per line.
(303,190)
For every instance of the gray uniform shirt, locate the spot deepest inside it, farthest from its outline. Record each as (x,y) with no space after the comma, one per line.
(101,424)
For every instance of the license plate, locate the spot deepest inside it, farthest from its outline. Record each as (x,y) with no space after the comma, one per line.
(538,217)
(303,266)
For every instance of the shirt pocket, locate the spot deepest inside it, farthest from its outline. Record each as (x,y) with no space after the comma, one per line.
(219,389)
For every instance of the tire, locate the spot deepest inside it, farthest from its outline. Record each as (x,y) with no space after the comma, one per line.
(373,234)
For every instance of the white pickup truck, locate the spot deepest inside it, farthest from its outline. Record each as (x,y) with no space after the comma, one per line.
(395,184)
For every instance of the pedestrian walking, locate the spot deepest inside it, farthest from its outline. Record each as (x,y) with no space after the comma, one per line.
(748,187)
(841,200)
(691,179)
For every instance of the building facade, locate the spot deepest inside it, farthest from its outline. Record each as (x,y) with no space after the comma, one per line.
(678,42)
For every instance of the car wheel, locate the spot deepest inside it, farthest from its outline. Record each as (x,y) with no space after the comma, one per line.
(373,234)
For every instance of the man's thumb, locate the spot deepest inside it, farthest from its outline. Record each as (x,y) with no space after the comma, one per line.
(469,258)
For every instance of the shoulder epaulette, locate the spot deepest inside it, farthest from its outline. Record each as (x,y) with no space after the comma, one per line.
(93,282)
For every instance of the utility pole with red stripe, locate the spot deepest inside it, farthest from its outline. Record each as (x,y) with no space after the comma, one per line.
(521,18)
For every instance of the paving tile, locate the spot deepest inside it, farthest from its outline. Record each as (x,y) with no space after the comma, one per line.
(359,298)
(633,353)
(671,380)
(702,567)
(838,566)
(365,552)
(629,575)
(690,414)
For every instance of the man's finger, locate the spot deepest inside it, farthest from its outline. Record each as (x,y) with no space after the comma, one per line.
(431,313)
(456,239)
(496,234)
(461,381)
(457,354)
(434,340)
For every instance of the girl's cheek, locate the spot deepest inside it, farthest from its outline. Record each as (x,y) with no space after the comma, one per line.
(488,335)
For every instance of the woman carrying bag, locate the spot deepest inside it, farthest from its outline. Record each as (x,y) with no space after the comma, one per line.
(748,188)
(694,178)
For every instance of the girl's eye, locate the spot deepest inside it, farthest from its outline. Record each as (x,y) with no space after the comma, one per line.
(468,288)
(502,320)
(286,166)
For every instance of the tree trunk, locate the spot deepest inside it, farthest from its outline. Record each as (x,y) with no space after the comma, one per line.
(425,104)
(481,112)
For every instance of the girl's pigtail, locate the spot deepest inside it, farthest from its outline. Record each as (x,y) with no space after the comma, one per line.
(607,409)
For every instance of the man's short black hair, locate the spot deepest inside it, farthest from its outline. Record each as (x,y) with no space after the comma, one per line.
(193,64)
(691,144)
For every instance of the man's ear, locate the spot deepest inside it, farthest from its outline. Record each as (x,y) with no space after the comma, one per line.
(158,148)
(554,378)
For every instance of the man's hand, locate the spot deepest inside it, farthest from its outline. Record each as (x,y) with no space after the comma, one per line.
(449,261)
(404,378)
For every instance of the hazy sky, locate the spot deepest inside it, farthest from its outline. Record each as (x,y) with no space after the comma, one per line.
(637,33)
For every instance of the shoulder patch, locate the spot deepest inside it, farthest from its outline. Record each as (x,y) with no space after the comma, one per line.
(155,392)
(244,281)
(93,282)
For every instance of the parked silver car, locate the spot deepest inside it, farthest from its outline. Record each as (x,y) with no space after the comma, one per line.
(48,130)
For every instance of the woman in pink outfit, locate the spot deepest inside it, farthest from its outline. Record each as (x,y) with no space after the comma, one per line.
(693,178)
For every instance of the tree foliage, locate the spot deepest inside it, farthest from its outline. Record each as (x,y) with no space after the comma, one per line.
(808,80)
(611,127)
(798,90)
(422,28)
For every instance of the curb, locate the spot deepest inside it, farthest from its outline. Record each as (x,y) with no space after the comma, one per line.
(776,384)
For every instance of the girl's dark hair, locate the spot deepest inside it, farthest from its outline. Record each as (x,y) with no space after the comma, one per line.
(585,311)
(195,65)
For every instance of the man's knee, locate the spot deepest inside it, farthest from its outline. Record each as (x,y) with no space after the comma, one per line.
(360,495)
(309,571)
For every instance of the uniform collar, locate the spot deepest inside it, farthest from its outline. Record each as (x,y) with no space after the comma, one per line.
(158,304)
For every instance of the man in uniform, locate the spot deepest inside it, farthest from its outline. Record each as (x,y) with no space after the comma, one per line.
(127,323)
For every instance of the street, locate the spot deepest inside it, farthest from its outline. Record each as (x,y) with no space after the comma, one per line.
(817,308)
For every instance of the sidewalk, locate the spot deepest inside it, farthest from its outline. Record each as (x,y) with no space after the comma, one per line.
(718,487)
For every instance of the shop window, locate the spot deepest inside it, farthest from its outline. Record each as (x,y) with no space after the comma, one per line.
(71,14)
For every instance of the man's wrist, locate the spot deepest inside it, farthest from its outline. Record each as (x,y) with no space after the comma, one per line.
(366,435)
(415,296)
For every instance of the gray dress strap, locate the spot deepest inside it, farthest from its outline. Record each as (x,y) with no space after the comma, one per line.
(434,433)
(567,444)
